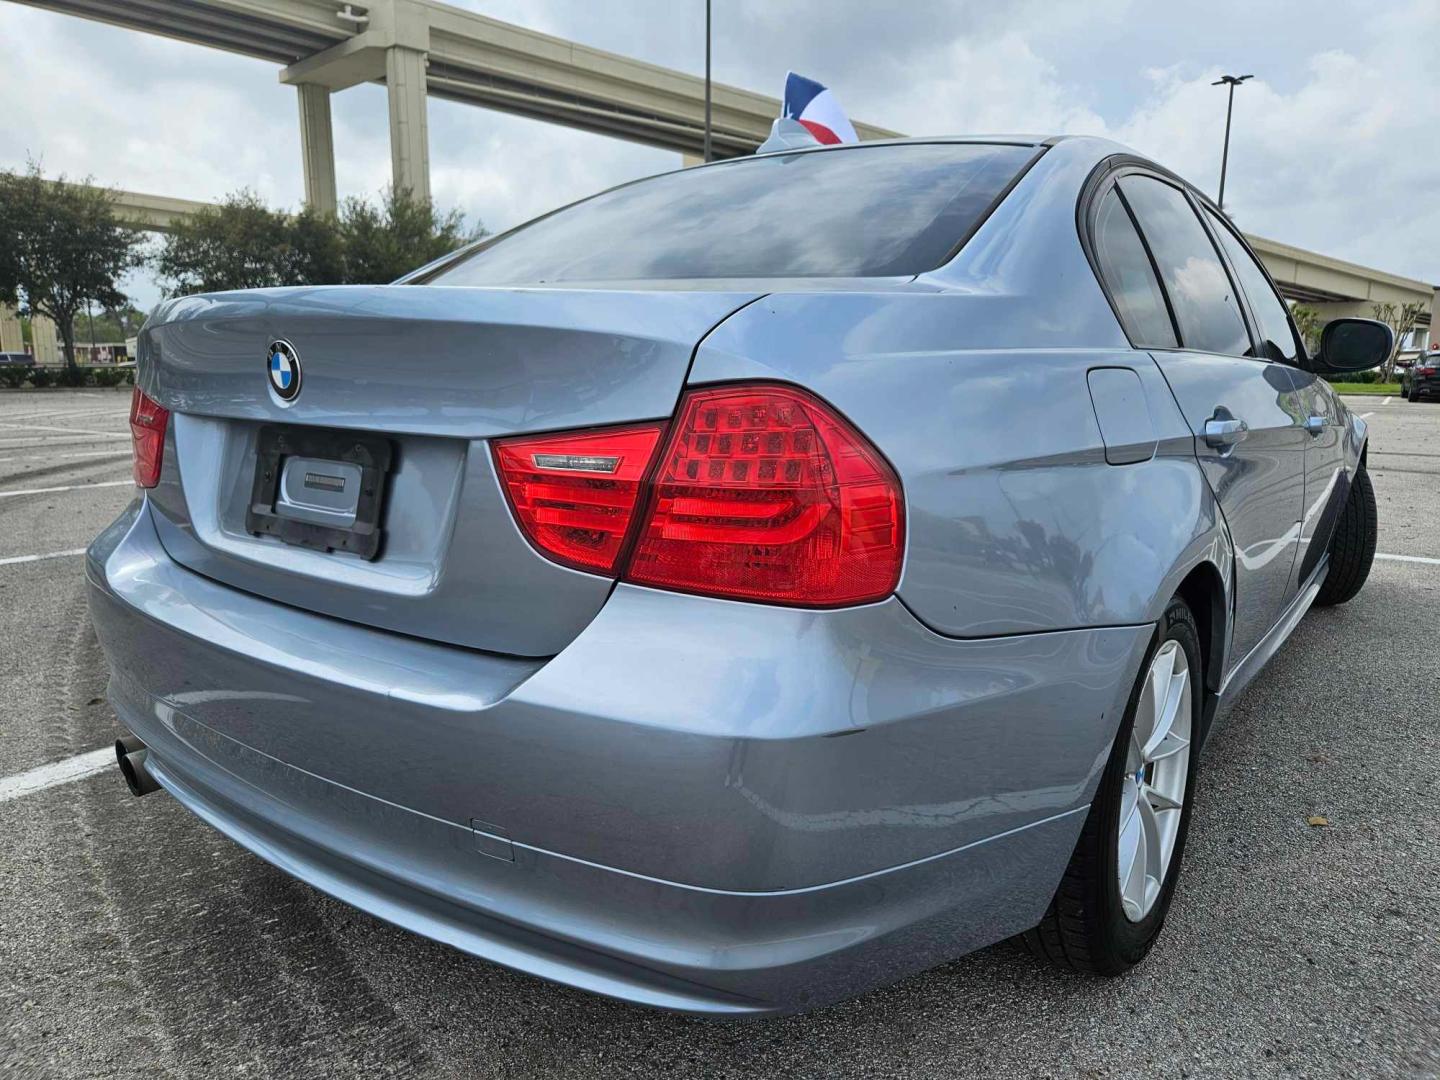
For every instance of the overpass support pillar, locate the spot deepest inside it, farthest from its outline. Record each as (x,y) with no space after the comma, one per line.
(45,341)
(317,147)
(409,129)
(11,339)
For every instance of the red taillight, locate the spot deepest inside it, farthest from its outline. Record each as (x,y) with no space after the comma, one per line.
(1425,371)
(147,437)
(574,495)
(764,493)
(761,493)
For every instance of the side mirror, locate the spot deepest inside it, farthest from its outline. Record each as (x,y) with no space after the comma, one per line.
(1349,345)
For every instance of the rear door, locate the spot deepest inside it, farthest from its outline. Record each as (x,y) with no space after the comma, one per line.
(1244,408)
(1327,475)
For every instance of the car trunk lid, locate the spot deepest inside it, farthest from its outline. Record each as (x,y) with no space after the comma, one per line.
(423,378)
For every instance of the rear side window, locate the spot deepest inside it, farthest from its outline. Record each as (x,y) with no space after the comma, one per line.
(857,212)
(1129,277)
(1205,304)
(1277,339)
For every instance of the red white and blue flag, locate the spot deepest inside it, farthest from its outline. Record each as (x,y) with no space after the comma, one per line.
(816,108)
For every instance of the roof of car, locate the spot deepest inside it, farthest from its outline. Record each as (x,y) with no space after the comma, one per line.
(1101,148)
(1012,138)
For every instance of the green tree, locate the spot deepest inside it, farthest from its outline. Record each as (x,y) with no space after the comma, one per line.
(1309,322)
(127,319)
(243,244)
(1401,318)
(239,244)
(115,324)
(387,240)
(61,248)
(319,249)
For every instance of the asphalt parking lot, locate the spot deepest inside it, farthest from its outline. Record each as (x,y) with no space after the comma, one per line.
(133,939)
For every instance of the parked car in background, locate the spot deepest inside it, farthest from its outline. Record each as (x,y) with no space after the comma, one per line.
(746,586)
(1422,378)
(16,359)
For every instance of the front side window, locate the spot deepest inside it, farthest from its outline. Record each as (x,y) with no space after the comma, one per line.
(1277,339)
(1206,307)
(855,212)
(1129,277)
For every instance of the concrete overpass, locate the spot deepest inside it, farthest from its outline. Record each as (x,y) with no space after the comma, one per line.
(155,213)
(1334,286)
(420,47)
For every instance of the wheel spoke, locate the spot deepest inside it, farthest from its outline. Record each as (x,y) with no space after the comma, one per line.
(1131,863)
(1129,801)
(1152,700)
(1174,695)
(1159,802)
(1161,671)
(1169,746)
(1153,866)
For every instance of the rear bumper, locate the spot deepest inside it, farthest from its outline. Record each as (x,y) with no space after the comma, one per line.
(698,805)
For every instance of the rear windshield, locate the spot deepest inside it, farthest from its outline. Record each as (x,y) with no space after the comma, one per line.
(859,212)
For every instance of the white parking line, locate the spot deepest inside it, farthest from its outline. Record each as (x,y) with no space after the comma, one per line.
(67,487)
(11,560)
(57,772)
(39,441)
(65,430)
(1385,402)
(1408,558)
(77,454)
(118,414)
(1366,415)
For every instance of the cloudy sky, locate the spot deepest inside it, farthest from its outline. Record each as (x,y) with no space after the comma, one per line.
(1336,145)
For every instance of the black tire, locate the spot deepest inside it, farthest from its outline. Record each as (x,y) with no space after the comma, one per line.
(1085,928)
(1352,548)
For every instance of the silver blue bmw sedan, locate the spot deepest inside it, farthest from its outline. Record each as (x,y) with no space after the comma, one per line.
(749,585)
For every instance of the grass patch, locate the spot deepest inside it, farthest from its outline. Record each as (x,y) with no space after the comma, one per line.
(1366,388)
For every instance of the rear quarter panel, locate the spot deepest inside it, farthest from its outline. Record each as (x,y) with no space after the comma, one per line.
(1016,522)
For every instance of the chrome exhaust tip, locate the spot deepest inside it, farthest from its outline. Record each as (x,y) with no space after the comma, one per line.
(131,755)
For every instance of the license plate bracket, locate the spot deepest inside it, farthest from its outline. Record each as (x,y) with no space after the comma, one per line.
(293,462)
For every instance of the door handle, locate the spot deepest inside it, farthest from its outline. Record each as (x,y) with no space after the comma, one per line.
(1315,424)
(1226,432)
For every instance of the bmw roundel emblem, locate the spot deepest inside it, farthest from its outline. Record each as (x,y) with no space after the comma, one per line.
(283,367)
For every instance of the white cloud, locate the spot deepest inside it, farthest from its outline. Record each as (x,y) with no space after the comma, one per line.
(1343,163)
(995,84)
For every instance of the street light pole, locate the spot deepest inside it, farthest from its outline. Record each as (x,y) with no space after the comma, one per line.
(707,80)
(1231,81)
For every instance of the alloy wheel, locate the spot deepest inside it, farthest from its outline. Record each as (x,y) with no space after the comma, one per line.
(1157,769)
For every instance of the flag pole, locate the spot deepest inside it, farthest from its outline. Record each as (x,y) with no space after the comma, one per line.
(707,80)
